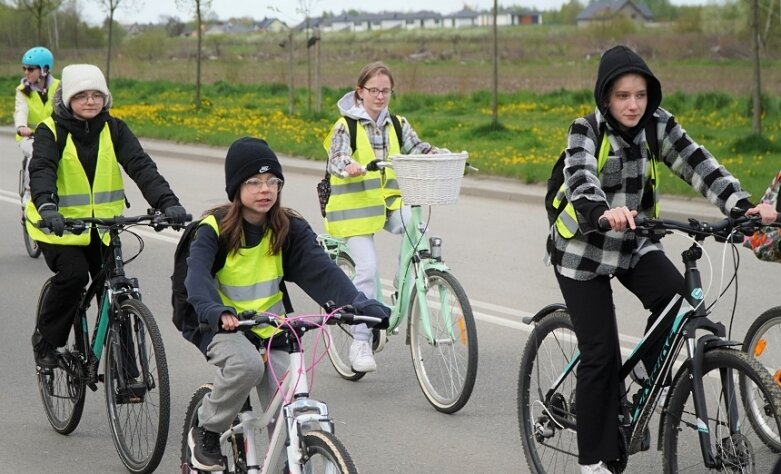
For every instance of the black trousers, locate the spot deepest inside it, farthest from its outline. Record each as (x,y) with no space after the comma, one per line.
(654,280)
(72,266)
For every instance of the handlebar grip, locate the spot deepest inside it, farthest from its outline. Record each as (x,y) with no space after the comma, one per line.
(603,224)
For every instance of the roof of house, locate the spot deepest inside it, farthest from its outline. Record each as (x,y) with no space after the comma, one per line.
(594,9)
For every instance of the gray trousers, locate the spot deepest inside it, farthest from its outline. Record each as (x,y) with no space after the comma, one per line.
(239,369)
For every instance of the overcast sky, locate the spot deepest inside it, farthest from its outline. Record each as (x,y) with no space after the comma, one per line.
(145,11)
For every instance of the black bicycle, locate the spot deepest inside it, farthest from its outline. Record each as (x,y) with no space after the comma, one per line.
(126,337)
(722,407)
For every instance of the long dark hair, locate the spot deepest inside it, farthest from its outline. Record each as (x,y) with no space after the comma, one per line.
(231,225)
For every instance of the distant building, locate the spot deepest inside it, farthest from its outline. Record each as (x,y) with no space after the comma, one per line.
(608,10)
(420,19)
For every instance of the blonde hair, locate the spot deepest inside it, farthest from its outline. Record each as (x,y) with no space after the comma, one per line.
(369,71)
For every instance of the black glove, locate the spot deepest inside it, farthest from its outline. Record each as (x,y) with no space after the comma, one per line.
(374,308)
(54,221)
(176,214)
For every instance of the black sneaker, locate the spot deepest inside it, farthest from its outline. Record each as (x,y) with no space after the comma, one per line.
(133,392)
(45,355)
(205,449)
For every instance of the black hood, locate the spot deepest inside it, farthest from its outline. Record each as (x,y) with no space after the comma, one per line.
(615,62)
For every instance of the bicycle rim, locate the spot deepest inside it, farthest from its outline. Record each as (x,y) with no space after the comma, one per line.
(62,389)
(549,448)
(191,421)
(741,450)
(139,416)
(763,342)
(446,364)
(325,454)
(338,337)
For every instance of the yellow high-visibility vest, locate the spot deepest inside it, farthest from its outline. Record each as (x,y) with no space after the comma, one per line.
(37,111)
(567,222)
(251,279)
(106,197)
(358,205)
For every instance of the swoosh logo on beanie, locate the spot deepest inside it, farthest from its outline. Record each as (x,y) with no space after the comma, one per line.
(264,169)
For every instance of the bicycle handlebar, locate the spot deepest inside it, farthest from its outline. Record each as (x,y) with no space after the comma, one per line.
(153,218)
(250,318)
(722,229)
(379,165)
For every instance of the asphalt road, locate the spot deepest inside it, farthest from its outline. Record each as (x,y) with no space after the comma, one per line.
(493,241)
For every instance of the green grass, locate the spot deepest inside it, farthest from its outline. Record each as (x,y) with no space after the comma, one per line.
(524,144)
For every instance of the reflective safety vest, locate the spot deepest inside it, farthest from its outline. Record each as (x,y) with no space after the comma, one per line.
(567,222)
(106,197)
(358,205)
(37,111)
(251,279)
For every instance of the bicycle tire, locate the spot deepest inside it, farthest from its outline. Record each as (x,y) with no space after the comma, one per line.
(739,452)
(32,247)
(62,389)
(447,368)
(549,349)
(338,337)
(325,454)
(763,342)
(138,418)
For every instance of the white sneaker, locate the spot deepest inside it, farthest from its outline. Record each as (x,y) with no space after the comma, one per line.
(361,357)
(598,468)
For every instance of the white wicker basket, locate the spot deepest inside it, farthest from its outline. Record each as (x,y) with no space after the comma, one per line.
(429,179)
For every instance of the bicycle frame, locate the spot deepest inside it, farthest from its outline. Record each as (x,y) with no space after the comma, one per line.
(415,258)
(115,286)
(685,315)
(289,409)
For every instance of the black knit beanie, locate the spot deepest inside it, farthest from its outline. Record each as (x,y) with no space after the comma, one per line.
(247,157)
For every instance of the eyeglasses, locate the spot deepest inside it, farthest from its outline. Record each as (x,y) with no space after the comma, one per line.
(257,184)
(374,92)
(29,68)
(84,97)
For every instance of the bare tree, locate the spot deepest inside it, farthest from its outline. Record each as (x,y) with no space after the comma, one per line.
(756,89)
(200,8)
(495,85)
(39,9)
(305,7)
(109,6)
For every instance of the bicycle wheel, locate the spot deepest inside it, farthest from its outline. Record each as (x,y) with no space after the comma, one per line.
(762,339)
(62,389)
(33,249)
(446,362)
(138,414)
(191,421)
(338,337)
(325,454)
(741,451)
(549,447)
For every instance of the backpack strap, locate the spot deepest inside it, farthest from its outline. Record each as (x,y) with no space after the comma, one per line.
(352,128)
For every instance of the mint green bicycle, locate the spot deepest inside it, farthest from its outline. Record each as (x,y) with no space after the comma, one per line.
(440,330)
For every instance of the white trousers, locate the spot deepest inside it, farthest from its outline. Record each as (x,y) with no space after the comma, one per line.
(367,275)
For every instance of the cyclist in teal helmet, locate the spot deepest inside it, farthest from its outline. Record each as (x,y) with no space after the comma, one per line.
(33,102)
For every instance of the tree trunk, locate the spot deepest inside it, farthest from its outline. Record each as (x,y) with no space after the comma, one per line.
(198,58)
(495,85)
(291,98)
(756,90)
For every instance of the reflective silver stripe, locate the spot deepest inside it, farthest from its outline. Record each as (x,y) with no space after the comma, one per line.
(358,187)
(364,212)
(48,231)
(70,200)
(109,196)
(263,289)
(278,309)
(570,223)
(390,201)
(392,184)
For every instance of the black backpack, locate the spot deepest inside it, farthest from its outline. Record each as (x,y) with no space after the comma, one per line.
(557,173)
(182,309)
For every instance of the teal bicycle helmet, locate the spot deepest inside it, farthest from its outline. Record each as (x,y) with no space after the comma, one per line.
(39,56)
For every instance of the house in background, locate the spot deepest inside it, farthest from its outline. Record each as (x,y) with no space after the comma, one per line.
(608,10)
(272,25)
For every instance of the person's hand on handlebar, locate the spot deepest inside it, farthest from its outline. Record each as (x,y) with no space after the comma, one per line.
(764,210)
(53,220)
(176,214)
(372,307)
(354,169)
(619,219)
(228,321)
